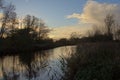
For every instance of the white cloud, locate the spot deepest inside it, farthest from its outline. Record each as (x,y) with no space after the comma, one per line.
(94,12)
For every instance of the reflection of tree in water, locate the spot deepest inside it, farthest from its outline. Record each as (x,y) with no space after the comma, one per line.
(26,60)
(42,65)
(12,74)
(2,68)
(34,64)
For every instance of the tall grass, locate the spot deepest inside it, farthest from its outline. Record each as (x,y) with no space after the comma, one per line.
(94,61)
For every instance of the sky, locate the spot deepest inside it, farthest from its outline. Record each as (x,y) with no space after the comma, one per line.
(67,16)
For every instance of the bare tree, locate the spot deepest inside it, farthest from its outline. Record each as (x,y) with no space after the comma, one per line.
(37,25)
(8,20)
(75,35)
(30,21)
(43,30)
(109,23)
(97,30)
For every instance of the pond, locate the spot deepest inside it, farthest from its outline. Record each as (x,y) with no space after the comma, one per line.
(42,65)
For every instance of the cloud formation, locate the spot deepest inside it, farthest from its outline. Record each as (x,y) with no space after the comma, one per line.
(95,12)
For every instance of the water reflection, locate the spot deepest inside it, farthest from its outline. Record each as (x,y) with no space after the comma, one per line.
(9,68)
(42,65)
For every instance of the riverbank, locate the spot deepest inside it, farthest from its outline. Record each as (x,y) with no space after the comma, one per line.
(94,61)
(34,48)
(38,47)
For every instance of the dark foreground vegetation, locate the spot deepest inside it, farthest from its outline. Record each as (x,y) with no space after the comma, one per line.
(94,61)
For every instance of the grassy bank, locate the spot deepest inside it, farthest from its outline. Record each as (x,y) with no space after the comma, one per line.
(94,61)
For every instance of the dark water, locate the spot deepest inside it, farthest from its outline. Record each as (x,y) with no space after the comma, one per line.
(42,65)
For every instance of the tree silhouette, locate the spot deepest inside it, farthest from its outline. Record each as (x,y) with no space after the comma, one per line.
(8,20)
(37,25)
(109,23)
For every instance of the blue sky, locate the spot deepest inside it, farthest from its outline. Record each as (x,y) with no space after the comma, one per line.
(54,12)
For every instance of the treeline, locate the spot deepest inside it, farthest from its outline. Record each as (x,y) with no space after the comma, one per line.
(21,34)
